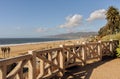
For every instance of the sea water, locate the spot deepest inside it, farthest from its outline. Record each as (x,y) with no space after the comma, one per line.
(17,41)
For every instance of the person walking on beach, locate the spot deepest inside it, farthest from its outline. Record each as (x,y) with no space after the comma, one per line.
(5,51)
(8,51)
(2,49)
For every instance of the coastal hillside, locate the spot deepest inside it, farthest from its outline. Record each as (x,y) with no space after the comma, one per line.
(112,36)
(74,35)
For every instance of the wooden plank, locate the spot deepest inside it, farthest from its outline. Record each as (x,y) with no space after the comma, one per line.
(3,72)
(50,59)
(15,70)
(50,62)
(84,54)
(14,59)
(32,66)
(42,69)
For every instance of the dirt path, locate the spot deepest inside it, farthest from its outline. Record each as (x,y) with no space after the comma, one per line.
(105,69)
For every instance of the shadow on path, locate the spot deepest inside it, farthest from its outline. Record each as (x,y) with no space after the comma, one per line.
(84,72)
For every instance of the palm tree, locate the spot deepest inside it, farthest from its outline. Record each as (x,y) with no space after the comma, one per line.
(113,18)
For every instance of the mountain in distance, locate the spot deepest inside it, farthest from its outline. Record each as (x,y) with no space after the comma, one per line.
(74,35)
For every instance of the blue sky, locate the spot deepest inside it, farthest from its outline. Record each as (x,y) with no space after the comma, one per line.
(37,18)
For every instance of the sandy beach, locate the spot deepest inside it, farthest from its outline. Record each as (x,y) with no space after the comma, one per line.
(22,49)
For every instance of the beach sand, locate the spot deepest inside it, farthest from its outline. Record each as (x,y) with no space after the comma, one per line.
(22,49)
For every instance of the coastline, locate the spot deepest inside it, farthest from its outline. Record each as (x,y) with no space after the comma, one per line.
(21,49)
(22,41)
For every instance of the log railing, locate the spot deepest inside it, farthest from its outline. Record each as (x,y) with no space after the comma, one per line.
(51,62)
(47,63)
(13,67)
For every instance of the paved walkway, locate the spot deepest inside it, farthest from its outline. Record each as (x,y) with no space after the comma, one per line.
(105,69)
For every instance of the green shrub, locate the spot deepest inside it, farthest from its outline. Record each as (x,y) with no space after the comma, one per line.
(118,52)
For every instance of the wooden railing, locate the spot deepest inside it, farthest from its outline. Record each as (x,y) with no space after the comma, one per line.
(13,67)
(47,63)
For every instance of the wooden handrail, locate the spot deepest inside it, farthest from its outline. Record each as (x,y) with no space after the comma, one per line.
(54,61)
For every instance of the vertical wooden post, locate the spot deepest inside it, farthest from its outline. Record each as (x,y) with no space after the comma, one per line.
(61,60)
(56,60)
(75,59)
(99,50)
(32,66)
(84,53)
(68,56)
(111,46)
(3,72)
(77,42)
(50,59)
(42,69)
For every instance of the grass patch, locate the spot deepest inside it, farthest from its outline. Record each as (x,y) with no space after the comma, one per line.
(113,36)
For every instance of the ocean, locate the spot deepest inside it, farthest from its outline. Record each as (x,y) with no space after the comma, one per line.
(14,41)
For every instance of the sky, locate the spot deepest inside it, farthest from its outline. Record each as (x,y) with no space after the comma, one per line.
(38,18)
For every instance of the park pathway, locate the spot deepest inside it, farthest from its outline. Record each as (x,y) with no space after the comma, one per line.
(106,69)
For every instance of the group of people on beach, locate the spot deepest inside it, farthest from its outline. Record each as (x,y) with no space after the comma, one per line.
(5,51)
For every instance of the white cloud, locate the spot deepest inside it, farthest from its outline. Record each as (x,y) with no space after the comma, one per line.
(72,21)
(40,29)
(98,14)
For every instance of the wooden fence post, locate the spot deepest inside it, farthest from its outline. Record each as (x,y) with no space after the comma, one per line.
(111,45)
(50,59)
(99,50)
(3,72)
(32,66)
(62,60)
(83,53)
(42,68)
